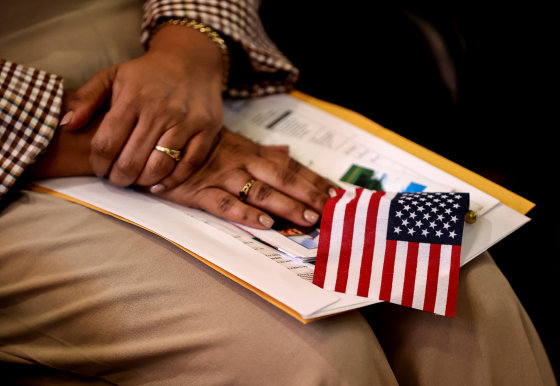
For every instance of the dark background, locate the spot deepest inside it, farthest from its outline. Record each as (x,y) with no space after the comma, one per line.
(493,118)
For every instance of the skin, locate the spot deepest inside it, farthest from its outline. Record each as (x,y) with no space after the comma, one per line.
(171,96)
(282,187)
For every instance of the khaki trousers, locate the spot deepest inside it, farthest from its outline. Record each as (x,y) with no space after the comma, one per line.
(87,299)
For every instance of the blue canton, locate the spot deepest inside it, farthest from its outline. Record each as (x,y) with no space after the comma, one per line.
(435,218)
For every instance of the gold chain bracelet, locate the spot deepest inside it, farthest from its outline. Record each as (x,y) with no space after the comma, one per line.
(208,31)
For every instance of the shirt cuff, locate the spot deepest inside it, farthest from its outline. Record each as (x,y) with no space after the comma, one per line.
(257,66)
(30,104)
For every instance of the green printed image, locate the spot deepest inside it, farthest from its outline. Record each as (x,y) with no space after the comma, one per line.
(363,177)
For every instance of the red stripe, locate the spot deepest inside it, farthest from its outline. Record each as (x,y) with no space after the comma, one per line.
(346,247)
(388,270)
(410,274)
(369,243)
(453,280)
(325,239)
(432,279)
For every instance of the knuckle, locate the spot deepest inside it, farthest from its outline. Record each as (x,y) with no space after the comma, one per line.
(176,107)
(294,165)
(226,204)
(103,147)
(193,163)
(202,120)
(158,167)
(127,166)
(263,192)
(287,177)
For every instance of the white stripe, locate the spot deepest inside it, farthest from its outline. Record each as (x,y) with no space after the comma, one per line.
(443,280)
(380,242)
(398,272)
(337,227)
(358,243)
(421,276)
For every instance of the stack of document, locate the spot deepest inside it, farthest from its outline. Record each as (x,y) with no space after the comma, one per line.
(277,264)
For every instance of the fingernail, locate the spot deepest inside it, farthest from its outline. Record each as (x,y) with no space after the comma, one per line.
(311,216)
(332,192)
(266,221)
(157,188)
(67,118)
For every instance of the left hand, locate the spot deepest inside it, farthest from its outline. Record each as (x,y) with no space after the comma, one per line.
(171,97)
(282,186)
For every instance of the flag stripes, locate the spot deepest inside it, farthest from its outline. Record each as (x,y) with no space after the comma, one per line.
(356,256)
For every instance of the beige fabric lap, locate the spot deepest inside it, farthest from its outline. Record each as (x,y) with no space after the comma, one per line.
(74,39)
(96,300)
(86,293)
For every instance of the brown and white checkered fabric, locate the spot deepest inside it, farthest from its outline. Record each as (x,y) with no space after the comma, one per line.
(30,102)
(258,67)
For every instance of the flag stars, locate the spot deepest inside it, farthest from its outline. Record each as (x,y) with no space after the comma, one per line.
(452,234)
(398,214)
(418,223)
(426,216)
(439,233)
(411,231)
(425,232)
(397,230)
(406,207)
(454,219)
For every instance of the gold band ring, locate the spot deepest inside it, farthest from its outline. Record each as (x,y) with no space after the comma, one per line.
(175,154)
(245,190)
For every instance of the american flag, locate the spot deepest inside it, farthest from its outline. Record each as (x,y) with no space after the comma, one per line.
(402,248)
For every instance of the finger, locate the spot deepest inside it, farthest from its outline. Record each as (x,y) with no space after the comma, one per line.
(285,180)
(110,138)
(264,196)
(196,152)
(88,99)
(222,204)
(160,164)
(137,150)
(320,182)
(279,154)
(283,149)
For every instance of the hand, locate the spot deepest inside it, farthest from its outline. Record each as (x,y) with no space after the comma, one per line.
(68,153)
(170,97)
(282,187)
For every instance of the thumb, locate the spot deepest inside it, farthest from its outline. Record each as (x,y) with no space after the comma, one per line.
(88,99)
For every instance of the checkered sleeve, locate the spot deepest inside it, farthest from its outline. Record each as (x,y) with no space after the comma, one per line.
(30,102)
(257,66)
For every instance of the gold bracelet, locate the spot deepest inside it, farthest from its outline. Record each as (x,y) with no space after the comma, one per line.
(216,38)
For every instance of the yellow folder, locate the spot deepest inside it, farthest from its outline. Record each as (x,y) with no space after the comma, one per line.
(507,197)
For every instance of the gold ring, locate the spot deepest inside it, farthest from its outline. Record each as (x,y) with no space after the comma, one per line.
(245,191)
(175,154)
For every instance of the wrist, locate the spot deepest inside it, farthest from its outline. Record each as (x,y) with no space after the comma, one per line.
(190,39)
